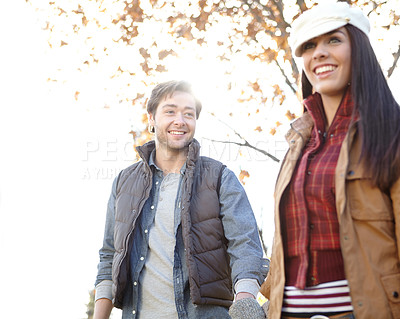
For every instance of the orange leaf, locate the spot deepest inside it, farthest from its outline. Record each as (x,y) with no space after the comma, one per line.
(242,175)
(164,53)
(146,67)
(84,21)
(290,116)
(160,68)
(143,52)
(256,87)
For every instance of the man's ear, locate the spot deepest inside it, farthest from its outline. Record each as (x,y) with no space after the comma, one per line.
(150,116)
(151,127)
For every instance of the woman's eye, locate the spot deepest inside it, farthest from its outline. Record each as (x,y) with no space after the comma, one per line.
(334,40)
(308,45)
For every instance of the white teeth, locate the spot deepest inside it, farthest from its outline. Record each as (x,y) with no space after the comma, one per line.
(176,133)
(325,68)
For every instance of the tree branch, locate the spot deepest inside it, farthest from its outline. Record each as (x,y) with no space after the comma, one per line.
(264,246)
(285,76)
(281,25)
(396,58)
(245,143)
(375,5)
(301,5)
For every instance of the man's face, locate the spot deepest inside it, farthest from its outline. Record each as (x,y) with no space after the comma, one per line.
(174,122)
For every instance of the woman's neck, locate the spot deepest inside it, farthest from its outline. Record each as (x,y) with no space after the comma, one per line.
(331,105)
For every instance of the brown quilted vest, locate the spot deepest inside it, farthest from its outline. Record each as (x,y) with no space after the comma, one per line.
(203,235)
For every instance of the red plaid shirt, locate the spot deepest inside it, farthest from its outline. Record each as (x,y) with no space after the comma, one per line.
(310,226)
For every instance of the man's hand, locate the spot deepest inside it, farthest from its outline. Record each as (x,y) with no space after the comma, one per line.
(243,295)
(102,308)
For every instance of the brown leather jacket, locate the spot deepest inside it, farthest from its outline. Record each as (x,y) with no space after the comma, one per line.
(206,255)
(369,230)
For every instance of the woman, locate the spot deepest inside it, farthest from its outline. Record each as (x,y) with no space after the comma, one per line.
(336,251)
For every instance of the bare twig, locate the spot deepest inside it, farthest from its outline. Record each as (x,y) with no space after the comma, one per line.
(245,142)
(264,246)
(375,6)
(285,76)
(396,58)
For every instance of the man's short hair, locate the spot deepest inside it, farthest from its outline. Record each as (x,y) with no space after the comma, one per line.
(166,89)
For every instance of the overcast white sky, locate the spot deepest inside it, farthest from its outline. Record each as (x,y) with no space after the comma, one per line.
(47,227)
(57,164)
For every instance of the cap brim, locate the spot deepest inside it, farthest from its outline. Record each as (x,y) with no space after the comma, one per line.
(314,32)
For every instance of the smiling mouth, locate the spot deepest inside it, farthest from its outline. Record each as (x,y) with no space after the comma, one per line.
(176,132)
(325,68)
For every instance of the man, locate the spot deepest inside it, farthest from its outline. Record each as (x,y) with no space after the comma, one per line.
(180,236)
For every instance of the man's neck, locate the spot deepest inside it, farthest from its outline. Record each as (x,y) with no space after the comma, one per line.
(170,161)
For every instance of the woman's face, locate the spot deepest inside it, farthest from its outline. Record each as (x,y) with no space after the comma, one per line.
(327,62)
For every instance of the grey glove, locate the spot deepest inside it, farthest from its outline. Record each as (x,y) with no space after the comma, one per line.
(247,308)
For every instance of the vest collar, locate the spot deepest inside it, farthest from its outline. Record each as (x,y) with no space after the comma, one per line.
(193,153)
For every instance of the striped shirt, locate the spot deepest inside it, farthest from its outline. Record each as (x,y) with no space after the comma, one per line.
(326,299)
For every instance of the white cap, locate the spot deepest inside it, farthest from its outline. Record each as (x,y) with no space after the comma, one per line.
(323,18)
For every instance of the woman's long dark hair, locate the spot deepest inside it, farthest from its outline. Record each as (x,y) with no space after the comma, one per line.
(379,113)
